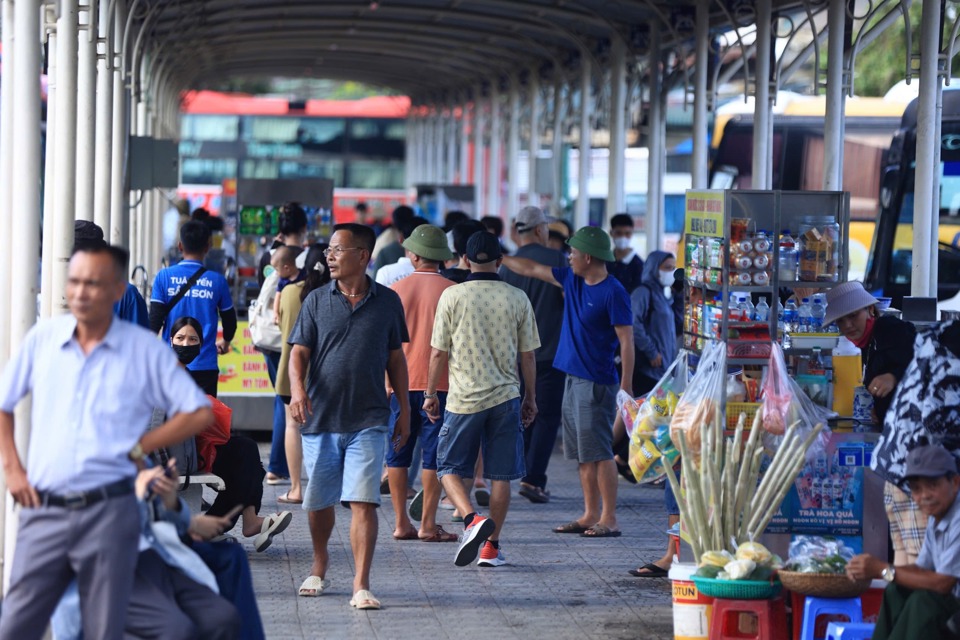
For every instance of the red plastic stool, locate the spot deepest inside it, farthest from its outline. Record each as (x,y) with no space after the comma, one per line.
(770,619)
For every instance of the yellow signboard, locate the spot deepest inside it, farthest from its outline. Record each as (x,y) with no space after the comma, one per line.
(704,213)
(243,371)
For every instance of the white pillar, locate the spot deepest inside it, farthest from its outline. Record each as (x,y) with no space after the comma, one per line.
(410,151)
(86,110)
(23,242)
(833,117)
(6,177)
(582,211)
(439,144)
(494,172)
(533,197)
(618,133)
(762,170)
(49,169)
(656,150)
(429,147)
(463,164)
(926,205)
(104,135)
(699,175)
(478,125)
(556,147)
(513,152)
(119,214)
(65,196)
(451,141)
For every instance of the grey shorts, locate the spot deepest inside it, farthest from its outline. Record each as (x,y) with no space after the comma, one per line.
(589,410)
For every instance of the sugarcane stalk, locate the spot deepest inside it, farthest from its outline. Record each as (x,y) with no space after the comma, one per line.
(744,471)
(683,503)
(751,485)
(693,502)
(767,483)
(729,502)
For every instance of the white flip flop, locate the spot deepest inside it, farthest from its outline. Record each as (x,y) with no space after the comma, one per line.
(364,600)
(272,525)
(313,587)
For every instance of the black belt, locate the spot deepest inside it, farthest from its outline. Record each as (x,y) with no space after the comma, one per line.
(83,499)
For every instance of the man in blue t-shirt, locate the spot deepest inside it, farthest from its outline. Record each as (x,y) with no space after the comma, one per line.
(131,307)
(596,317)
(208,297)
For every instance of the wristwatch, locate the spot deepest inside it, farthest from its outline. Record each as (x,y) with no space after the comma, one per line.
(889,573)
(136,454)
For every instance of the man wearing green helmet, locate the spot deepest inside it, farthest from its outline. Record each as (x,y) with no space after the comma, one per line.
(596,318)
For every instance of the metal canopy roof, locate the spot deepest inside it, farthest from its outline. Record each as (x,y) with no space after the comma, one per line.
(420,47)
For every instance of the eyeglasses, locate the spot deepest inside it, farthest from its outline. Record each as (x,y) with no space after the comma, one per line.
(338,251)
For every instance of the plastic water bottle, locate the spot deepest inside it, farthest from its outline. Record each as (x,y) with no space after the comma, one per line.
(817,313)
(790,316)
(762,311)
(789,256)
(745,308)
(803,316)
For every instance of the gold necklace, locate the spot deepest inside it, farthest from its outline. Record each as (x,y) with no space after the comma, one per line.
(353,295)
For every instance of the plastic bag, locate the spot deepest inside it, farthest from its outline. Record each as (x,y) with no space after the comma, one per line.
(784,403)
(816,554)
(701,401)
(648,420)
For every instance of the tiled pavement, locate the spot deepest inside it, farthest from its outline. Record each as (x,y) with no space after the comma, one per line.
(556,586)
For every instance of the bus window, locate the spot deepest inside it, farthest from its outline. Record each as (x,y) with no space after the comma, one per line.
(212,128)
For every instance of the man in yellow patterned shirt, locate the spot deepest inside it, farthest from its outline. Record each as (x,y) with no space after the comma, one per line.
(480,327)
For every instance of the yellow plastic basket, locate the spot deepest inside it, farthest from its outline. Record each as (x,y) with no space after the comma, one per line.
(734,409)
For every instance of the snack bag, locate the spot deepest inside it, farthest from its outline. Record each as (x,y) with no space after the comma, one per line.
(701,401)
(650,438)
(629,410)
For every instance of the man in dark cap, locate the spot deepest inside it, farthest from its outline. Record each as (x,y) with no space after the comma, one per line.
(596,318)
(131,306)
(480,328)
(922,596)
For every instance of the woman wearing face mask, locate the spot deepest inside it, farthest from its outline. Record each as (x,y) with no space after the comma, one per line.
(654,331)
(233,458)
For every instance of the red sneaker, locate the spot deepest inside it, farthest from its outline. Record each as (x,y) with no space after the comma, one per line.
(490,556)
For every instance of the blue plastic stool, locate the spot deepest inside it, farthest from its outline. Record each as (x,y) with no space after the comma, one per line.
(815,607)
(850,630)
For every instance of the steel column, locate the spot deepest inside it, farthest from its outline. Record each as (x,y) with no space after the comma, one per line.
(65,200)
(86,111)
(833,117)
(656,147)
(533,197)
(926,205)
(119,212)
(582,210)
(618,132)
(556,147)
(49,168)
(513,151)
(762,171)
(494,173)
(463,168)
(429,147)
(699,175)
(104,116)
(6,178)
(478,124)
(451,141)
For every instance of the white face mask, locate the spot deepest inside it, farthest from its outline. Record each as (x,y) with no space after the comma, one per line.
(621,243)
(667,278)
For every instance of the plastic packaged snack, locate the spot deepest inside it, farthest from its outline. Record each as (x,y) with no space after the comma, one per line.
(699,404)
(784,403)
(650,444)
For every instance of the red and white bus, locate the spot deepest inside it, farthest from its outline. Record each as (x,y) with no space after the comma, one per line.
(359,144)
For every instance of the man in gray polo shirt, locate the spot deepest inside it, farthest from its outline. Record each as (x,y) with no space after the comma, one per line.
(347,335)
(922,596)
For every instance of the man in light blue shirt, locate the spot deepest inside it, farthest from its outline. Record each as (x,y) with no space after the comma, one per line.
(94,381)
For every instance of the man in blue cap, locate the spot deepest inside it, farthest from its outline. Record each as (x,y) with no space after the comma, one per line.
(596,317)
(922,595)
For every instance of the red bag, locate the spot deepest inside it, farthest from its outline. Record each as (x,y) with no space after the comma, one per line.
(215,435)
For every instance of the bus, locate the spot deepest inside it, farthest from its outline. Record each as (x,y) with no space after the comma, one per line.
(890,267)
(359,144)
(798,155)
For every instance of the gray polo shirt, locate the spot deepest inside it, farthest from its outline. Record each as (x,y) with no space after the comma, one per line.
(940,551)
(547,299)
(349,347)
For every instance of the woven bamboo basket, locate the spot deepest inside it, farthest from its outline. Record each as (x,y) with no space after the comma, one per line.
(823,585)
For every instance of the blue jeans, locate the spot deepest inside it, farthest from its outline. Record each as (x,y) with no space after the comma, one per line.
(277,465)
(540,438)
(497,430)
(343,467)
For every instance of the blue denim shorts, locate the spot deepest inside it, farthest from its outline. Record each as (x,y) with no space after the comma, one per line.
(343,467)
(420,427)
(497,429)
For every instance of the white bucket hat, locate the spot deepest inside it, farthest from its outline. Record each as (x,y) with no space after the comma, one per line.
(846,298)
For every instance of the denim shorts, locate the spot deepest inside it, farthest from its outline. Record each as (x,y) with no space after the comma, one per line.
(497,429)
(420,427)
(343,467)
(589,410)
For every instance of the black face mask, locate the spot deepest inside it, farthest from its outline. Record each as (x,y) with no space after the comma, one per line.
(186,353)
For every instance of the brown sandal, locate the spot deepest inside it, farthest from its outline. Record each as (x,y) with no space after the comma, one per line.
(441,536)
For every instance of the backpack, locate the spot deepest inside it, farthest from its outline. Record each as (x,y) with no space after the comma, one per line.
(264,333)
(188,460)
